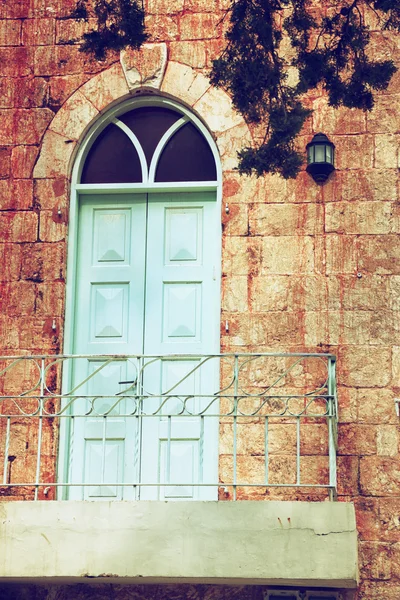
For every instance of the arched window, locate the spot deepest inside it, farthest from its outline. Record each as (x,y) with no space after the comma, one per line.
(149,144)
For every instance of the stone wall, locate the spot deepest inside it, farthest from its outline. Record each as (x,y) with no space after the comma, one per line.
(305,268)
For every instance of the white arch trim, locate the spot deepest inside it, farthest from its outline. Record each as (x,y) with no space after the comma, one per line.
(137,145)
(162,143)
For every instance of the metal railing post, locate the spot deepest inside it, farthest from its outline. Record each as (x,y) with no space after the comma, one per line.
(332,426)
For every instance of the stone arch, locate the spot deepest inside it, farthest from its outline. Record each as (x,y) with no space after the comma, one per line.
(145,71)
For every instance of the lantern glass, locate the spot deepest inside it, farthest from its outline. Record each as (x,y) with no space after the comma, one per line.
(329,157)
(310,154)
(320,153)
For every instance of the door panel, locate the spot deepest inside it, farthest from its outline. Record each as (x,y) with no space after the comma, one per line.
(182,295)
(146,285)
(109,320)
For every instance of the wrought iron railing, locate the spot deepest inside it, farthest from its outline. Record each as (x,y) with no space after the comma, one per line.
(248,426)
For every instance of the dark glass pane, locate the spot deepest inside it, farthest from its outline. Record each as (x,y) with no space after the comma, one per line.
(149,124)
(187,157)
(112,159)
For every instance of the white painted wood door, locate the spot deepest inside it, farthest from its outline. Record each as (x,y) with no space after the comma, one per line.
(146,283)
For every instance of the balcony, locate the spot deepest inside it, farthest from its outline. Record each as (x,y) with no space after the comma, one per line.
(136,429)
(271,419)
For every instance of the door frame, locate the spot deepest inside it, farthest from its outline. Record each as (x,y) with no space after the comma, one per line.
(77,190)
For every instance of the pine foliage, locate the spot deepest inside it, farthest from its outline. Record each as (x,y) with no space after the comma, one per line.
(330,51)
(119,24)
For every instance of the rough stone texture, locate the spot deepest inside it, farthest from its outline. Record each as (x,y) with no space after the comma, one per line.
(305,268)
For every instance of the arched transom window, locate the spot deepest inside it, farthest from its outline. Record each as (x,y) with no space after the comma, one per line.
(149,145)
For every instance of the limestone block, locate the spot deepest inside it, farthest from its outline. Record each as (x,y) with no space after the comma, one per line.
(215,107)
(16,61)
(249,469)
(166,7)
(214,49)
(277,329)
(271,292)
(52,193)
(183,83)
(230,142)
(191,53)
(313,438)
(74,118)
(237,221)
(10,32)
(10,257)
(106,87)
(365,366)
(371,184)
(250,438)
(162,27)
(370,292)
(354,439)
(370,590)
(18,298)
(375,560)
(63,60)
(198,26)
(286,219)
(384,117)
(23,160)
(202,5)
(322,328)
(386,151)
(368,327)
(341,253)
(379,254)
(387,440)
(63,86)
(348,475)
(348,405)
(239,189)
(6,127)
(20,226)
(287,255)
(55,156)
(303,189)
(5,162)
(39,32)
(389,519)
(379,476)
(8,335)
(6,92)
(323,117)
(350,146)
(241,256)
(145,67)
(358,217)
(50,299)
(16,194)
(43,262)
(52,227)
(234,294)
(376,405)
(15,10)
(314,470)
(349,121)
(396,366)
(72,30)
(282,439)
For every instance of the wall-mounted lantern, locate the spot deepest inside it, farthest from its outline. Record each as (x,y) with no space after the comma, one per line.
(320,158)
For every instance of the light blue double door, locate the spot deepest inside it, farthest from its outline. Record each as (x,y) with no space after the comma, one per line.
(146,284)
